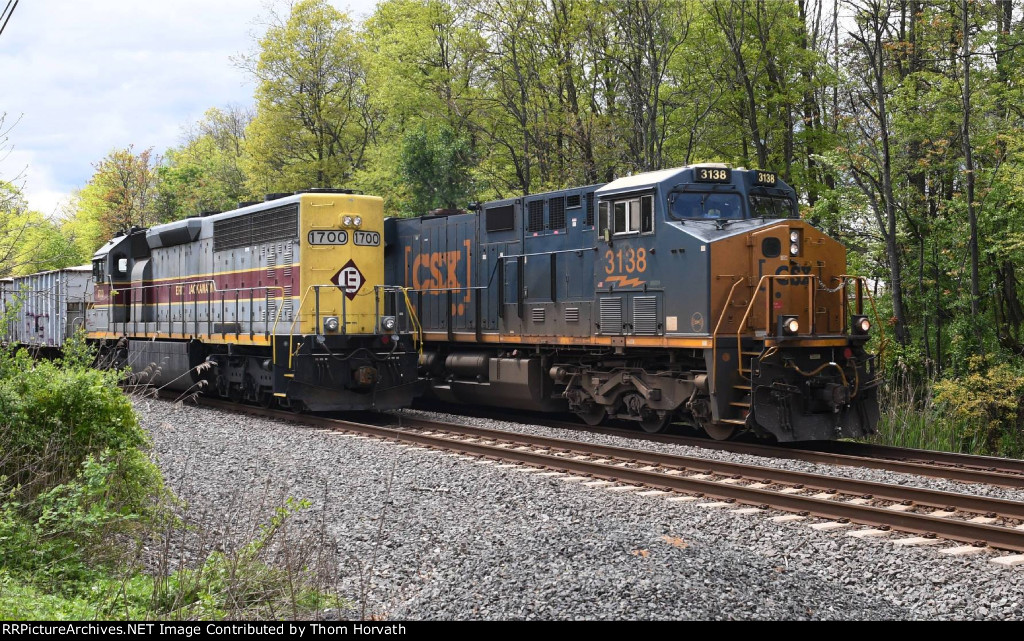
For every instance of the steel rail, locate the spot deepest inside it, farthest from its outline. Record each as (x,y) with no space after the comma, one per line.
(968,468)
(1002,537)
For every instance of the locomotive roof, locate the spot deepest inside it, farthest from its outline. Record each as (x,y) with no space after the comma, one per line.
(640,181)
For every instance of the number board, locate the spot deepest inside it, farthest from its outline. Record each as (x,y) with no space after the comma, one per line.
(712,175)
(366,238)
(766,178)
(328,237)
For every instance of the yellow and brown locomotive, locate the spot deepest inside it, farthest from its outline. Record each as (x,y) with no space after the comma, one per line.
(282,301)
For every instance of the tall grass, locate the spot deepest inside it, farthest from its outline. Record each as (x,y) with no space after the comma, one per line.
(911,418)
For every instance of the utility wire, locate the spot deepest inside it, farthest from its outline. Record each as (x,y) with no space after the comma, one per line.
(9,14)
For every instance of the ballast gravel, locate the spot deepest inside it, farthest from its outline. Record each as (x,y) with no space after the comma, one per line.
(419,534)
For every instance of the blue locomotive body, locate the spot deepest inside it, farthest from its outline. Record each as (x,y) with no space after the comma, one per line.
(653,298)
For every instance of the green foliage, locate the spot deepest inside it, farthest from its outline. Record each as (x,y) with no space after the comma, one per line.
(79,497)
(30,242)
(54,417)
(205,173)
(989,402)
(435,166)
(312,125)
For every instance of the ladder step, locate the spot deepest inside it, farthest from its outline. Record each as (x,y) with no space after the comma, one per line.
(743,387)
(751,353)
(733,421)
(745,406)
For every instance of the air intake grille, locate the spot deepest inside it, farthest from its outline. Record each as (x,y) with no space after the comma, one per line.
(611,315)
(537,314)
(259,228)
(556,213)
(571,202)
(645,315)
(572,314)
(590,209)
(536,214)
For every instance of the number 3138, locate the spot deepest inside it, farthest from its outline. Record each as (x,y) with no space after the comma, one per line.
(627,259)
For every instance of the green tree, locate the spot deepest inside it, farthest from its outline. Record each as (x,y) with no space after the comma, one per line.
(123,190)
(205,172)
(313,122)
(435,166)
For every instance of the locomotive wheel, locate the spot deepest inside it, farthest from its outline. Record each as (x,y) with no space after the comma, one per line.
(720,431)
(593,416)
(652,423)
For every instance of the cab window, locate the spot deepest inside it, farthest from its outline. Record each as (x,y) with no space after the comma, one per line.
(628,216)
(705,206)
(770,207)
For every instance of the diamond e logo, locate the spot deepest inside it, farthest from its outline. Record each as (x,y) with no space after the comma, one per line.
(349,279)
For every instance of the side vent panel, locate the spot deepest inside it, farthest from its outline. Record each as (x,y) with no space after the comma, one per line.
(645,315)
(610,315)
(572,314)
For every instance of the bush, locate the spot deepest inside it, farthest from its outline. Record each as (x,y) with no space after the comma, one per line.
(55,415)
(989,402)
(79,498)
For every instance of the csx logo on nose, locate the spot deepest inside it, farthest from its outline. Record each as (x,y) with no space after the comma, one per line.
(349,279)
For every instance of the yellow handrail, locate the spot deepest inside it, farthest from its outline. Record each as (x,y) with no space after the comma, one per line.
(714,335)
(295,318)
(874,310)
(767,320)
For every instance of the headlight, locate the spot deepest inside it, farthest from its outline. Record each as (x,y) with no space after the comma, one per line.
(794,249)
(347,221)
(359,221)
(861,325)
(794,236)
(388,322)
(788,326)
(331,324)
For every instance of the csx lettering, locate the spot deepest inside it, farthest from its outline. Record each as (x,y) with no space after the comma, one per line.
(785,269)
(437,273)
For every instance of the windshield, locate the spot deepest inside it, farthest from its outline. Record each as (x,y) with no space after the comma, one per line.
(709,206)
(770,207)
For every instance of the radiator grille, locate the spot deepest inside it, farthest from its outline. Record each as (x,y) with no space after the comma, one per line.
(269,226)
(556,213)
(611,315)
(536,215)
(645,315)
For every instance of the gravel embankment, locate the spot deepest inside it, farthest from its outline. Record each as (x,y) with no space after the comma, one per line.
(456,539)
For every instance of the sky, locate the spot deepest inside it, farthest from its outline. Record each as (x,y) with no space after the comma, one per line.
(80,79)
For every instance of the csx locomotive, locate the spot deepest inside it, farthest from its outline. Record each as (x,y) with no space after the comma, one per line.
(692,295)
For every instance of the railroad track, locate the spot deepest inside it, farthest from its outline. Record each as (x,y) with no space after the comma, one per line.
(968,468)
(933,515)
